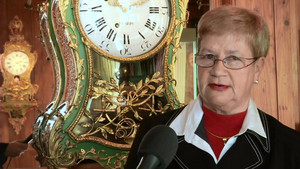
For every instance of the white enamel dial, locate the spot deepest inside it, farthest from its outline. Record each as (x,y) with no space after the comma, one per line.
(16,62)
(124,28)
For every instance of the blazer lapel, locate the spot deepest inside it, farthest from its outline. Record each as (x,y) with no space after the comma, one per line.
(189,157)
(247,152)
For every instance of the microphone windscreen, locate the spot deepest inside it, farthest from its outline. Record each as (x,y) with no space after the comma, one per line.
(160,141)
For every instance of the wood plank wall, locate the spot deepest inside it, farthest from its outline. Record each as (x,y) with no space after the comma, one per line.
(298,18)
(287,60)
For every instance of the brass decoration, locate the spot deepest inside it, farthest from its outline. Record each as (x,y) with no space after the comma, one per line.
(17,93)
(67,56)
(61,156)
(80,68)
(49,47)
(122,107)
(102,155)
(169,64)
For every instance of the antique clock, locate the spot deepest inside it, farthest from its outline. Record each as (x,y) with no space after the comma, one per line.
(125,30)
(112,61)
(17,62)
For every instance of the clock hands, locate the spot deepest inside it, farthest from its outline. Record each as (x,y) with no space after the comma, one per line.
(123,7)
(116,3)
(138,3)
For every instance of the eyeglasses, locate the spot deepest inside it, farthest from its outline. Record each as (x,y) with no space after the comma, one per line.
(230,62)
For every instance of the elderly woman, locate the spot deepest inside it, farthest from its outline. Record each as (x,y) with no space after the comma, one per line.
(223,128)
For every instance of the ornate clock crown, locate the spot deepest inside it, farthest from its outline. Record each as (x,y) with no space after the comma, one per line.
(15,27)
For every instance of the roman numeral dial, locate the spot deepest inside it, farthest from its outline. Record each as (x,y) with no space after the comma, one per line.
(16,62)
(124,30)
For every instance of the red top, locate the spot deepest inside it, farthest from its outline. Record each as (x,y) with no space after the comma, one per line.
(222,126)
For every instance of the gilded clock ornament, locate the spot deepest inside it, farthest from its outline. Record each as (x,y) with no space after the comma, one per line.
(125,30)
(17,93)
(112,64)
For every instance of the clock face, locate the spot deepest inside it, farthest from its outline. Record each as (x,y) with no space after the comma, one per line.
(16,62)
(123,28)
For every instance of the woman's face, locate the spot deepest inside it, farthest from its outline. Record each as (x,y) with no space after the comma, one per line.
(223,90)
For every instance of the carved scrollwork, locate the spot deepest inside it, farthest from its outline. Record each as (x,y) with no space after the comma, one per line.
(124,105)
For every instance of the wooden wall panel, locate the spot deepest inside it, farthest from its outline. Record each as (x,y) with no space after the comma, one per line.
(27,160)
(218,3)
(298,22)
(265,92)
(286,46)
(42,74)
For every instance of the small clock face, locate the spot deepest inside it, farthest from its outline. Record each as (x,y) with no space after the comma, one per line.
(16,62)
(124,28)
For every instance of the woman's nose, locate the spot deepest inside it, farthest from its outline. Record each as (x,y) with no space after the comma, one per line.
(218,69)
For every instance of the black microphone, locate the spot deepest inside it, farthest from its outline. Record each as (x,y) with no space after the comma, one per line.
(157,148)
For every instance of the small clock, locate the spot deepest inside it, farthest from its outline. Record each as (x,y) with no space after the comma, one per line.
(125,30)
(17,94)
(16,62)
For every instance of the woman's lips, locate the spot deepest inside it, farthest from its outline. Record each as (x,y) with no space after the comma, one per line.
(218,87)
